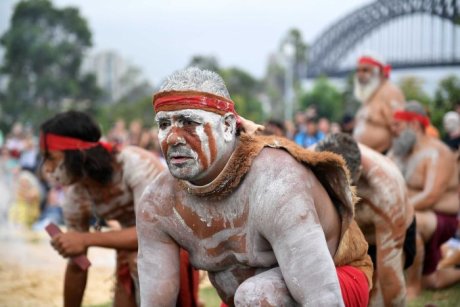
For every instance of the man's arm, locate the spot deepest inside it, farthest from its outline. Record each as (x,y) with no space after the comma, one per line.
(77,212)
(287,218)
(75,243)
(158,259)
(437,176)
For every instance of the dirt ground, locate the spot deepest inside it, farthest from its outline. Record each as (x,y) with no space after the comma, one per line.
(31,272)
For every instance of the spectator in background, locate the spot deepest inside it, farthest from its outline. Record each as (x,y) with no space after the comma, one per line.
(135,132)
(335,128)
(28,157)
(324,125)
(52,213)
(15,140)
(274,127)
(311,135)
(118,134)
(451,123)
(347,124)
(25,209)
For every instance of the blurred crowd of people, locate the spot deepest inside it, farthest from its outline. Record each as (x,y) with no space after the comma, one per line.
(27,200)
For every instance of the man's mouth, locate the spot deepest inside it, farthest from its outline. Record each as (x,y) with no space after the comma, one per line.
(179,159)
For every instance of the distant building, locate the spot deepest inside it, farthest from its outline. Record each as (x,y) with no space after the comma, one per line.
(116,76)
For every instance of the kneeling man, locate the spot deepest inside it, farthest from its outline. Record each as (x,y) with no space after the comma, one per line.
(271,222)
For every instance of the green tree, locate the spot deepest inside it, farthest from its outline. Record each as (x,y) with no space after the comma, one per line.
(326,98)
(44,47)
(446,97)
(205,62)
(245,91)
(412,87)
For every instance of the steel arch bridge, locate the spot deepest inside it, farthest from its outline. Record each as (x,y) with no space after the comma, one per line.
(327,52)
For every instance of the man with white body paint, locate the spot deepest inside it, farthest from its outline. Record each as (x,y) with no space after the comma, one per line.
(431,175)
(379,98)
(383,214)
(102,182)
(272,223)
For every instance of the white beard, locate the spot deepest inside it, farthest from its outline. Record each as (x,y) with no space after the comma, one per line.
(363,92)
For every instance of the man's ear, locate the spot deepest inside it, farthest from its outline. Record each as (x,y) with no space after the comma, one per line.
(228,126)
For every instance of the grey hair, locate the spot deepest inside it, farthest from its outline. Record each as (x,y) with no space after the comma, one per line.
(196,79)
(416,107)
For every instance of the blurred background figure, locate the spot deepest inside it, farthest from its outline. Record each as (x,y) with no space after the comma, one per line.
(310,134)
(324,126)
(347,125)
(274,127)
(25,209)
(118,134)
(379,99)
(135,132)
(451,123)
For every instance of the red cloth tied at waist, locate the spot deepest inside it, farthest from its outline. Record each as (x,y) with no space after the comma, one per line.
(354,286)
(51,141)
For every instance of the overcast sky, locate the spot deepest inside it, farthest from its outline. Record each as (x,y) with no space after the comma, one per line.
(161,36)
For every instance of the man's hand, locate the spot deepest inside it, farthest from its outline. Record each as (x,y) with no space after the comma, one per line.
(250,127)
(70,244)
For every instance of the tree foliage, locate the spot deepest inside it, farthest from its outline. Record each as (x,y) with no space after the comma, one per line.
(44,48)
(326,98)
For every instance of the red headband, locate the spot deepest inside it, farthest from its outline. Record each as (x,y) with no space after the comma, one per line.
(59,142)
(178,100)
(410,116)
(386,69)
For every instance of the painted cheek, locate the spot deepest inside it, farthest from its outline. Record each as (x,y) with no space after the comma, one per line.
(211,142)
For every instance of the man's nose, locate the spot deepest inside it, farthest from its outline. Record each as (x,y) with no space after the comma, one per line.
(174,138)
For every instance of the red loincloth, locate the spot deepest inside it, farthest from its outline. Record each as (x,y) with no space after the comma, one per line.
(354,286)
(189,281)
(445,229)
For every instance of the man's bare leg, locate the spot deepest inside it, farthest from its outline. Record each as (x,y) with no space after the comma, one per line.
(122,298)
(442,278)
(264,289)
(414,272)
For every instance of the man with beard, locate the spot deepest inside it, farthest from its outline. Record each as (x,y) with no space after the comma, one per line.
(271,222)
(379,99)
(431,175)
(106,183)
(383,214)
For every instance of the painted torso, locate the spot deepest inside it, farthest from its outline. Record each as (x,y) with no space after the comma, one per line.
(431,162)
(226,237)
(383,215)
(373,118)
(134,169)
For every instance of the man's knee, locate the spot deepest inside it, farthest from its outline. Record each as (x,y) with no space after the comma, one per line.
(260,292)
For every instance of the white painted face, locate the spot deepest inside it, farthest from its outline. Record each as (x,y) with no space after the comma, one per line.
(54,170)
(365,84)
(193,141)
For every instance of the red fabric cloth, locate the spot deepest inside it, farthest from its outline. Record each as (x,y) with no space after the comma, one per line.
(386,69)
(410,116)
(446,227)
(51,141)
(354,286)
(189,281)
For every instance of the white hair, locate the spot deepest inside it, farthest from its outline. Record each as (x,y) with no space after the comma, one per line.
(451,121)
(196,79)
